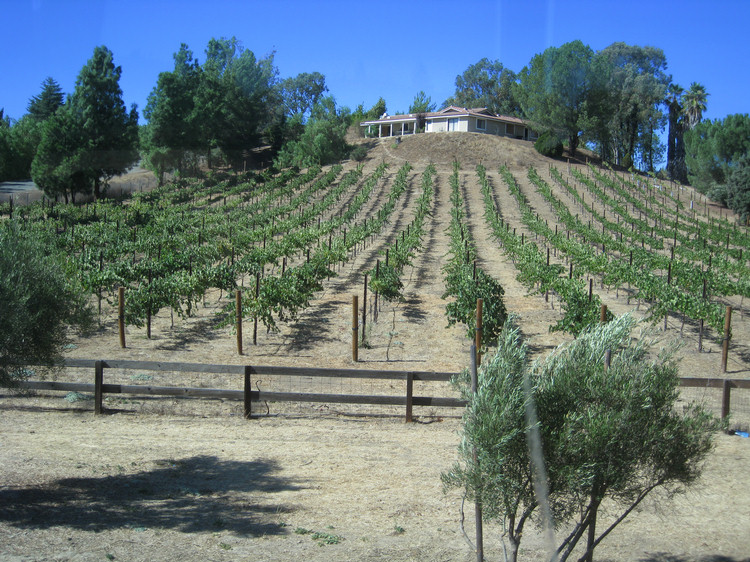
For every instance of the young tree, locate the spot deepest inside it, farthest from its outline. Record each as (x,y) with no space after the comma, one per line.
(59,167)
(108,131)
(38,302)
(422,103)
(608,435)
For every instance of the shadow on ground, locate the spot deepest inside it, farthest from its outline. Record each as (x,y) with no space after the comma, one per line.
(665,557)
(191,495)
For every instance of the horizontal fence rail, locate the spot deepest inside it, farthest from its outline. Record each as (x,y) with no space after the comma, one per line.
(252,372)
(247,394)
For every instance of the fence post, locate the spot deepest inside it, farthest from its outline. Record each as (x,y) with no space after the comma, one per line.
(478,332)
(98,382)
(478,504)
(255,320)
(409,396)
(247,393)
(725,397)
(603,315)
(355,331)
(725,345)
(364,311)
(238,306)
(121,315)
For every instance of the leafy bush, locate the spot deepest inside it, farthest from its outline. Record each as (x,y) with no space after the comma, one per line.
(358,153)
(584,433)
(37,303)
(549,145)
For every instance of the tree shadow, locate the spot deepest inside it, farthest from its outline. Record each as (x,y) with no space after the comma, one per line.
(190,495)
(666,557)
(313,327)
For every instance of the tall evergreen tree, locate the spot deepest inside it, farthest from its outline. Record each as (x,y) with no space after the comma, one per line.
(109,131)
(48,101)
(173,133)
(556,90)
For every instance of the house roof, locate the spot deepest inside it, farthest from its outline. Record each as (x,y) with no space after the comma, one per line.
(450,111)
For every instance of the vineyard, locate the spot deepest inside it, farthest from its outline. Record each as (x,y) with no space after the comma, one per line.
(417,232)
(418,237)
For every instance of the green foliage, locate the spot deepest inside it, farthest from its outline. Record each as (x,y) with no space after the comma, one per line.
(738,187)
(465,282)
(323,140)
(358,153)
(422,103)
(51,98)
(302,92)
(549,145)
(487,84)
(713,148)
(59,167)
(606,434)
(556,90)
(108,133)
(38,302)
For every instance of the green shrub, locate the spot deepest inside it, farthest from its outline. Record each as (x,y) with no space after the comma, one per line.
(549,145)
(358,153)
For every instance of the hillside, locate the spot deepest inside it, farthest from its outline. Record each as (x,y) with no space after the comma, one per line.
(161,478)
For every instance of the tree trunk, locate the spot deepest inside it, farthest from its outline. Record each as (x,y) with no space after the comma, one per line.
(573,144)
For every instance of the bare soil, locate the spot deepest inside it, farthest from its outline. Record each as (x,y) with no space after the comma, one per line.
(166,479)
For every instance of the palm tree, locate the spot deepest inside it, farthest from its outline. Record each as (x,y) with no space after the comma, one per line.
(672,101)
(694,104)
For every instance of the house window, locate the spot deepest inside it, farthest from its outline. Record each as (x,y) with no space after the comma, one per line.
(509,129)
(453,124)
(481,124)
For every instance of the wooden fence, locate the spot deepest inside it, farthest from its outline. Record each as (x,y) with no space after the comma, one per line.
(247,394)
(250,372)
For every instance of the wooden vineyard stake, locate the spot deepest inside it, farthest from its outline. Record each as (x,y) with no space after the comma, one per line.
(98,384)
(375,308)
(355,331)
(700,332)
(255,319)
(478,331)
(238,320)
(725,345)
(409,397)
(478,504)
(364,310)
(121,315)
(248,388)
(603,316)
(725,398)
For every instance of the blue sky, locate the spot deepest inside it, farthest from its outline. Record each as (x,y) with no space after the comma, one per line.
(368,49)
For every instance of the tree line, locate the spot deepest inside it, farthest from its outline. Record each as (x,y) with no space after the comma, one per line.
(233,108)
(615,102)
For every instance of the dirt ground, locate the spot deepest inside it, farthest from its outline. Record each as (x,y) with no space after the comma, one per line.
(166,479)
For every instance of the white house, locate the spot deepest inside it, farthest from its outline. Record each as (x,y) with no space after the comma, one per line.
(451,118)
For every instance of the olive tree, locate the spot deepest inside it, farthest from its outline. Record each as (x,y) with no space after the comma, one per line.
(38,302)
(608,434)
